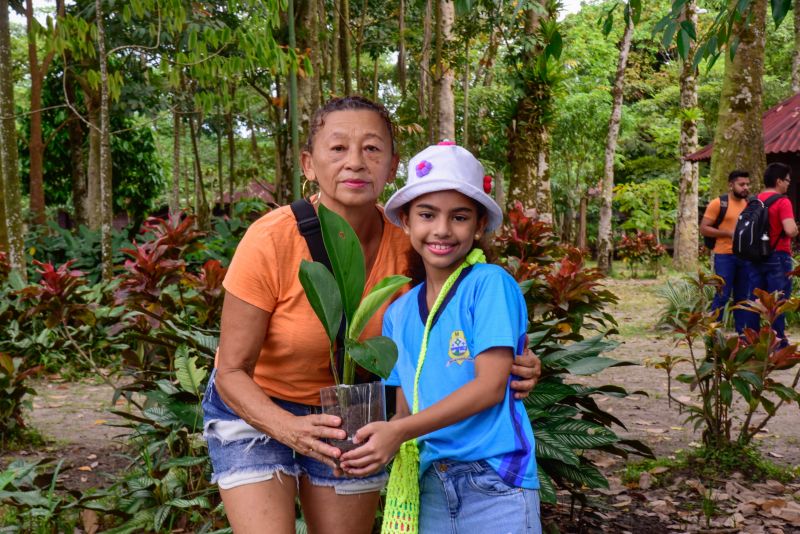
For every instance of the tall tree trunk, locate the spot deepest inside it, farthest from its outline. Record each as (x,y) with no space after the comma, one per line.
(605,246)
(344,45)
(333,51)
(294,107)
(8,129)
(686,231)
(308,85)
(529,138)
(583,210)
(425,69)
(360,79)
(796,54)
(175,194)
(35,143)
(255,153)
(401,49)
(106,195)
(739,138)
(220,187)
(443,84)
(232,161)
(465,135)
(375,80)
(8,151)
(75,135)
(200,202)
(93,172)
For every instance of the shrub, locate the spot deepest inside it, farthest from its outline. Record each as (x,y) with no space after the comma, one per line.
(565,300)
(735,366)
(640,249)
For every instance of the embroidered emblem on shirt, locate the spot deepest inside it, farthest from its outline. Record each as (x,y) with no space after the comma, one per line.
(458,350)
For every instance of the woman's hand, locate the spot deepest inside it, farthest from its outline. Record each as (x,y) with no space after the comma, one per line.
(305,434)
(382,441)
(528,367)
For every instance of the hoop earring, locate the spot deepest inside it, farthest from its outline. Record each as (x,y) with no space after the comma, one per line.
(305,193)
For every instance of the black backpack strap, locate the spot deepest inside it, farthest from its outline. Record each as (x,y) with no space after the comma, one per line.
(767,203)
(310,229)
(723,209)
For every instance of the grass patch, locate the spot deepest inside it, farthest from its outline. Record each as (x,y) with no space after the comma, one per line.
(22,438)
(710,464)
(721,463)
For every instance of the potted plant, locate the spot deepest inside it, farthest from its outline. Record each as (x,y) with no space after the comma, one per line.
(335,297)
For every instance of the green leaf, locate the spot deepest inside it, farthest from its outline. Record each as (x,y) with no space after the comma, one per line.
(548,392)
(549,446)
(190,377)
(183,461)
(785,392)
(779,10)
(768,405)
(201,502)
(684,44)
(589,366)
(688,27)
(347,259)
(323,295)
(580,434)
(583,475)
(547,490)
(752,378)
(377,355)
(377,296)
(726,393)
(742,387)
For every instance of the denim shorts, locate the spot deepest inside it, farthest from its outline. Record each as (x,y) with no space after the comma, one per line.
(240,454)
(457,497)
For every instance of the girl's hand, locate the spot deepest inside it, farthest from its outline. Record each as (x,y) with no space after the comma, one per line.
(305,433)
(382,441)
(527,368)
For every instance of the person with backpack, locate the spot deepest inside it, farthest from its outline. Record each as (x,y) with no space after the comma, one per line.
(770,274)
(717,227)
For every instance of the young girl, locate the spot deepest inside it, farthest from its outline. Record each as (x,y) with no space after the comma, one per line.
(457,334)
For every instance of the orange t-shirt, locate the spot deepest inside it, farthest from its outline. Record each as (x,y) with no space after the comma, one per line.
(724,245)
(295,361)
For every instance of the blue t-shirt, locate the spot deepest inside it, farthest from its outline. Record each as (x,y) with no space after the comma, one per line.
(484,309)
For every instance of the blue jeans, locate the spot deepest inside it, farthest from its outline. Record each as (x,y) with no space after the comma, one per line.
(770,275)
(459,497)
(736,273)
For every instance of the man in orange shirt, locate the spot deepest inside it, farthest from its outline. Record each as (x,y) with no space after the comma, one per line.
(734,270)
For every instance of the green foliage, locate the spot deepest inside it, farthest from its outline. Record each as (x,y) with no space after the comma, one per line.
(337,294)
(167,484)
(648,205)
(565,300)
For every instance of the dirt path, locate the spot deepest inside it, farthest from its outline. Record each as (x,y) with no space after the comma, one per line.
(75,421)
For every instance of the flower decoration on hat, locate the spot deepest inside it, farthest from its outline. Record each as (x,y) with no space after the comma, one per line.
(423,168)
(487,184)
(446,142)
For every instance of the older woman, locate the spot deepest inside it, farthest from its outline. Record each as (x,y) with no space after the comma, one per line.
(265,435)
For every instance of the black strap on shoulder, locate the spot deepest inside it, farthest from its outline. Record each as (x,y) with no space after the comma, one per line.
(723,209)
(310,229)
(767,203)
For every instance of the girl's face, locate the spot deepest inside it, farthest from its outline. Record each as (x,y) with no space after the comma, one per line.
(443,227)
(351,159)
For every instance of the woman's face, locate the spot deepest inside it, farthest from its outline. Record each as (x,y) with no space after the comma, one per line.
(351,160)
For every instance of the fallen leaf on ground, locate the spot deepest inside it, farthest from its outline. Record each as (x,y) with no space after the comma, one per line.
(84,468)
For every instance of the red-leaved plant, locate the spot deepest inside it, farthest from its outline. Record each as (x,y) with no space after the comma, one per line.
(58,296)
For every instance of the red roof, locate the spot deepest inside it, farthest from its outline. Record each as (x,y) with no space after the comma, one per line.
(781,130)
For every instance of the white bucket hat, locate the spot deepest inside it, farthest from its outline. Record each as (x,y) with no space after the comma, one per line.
(444,167)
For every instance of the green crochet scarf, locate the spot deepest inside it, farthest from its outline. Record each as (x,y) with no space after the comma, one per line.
(401,515)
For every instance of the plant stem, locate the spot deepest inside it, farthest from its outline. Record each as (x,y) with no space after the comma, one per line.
(333,367)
